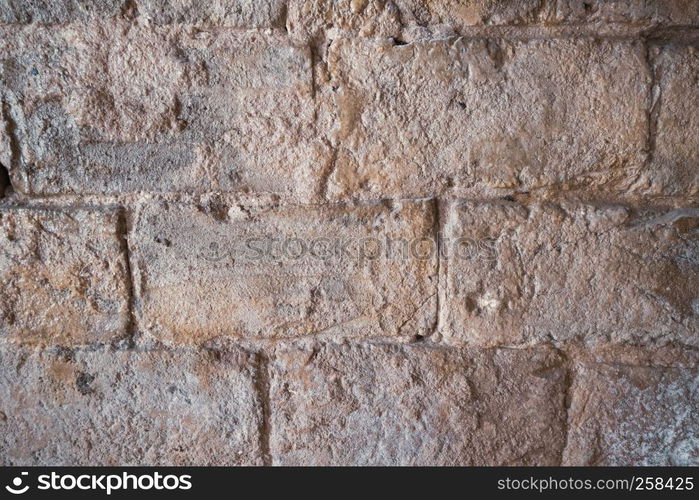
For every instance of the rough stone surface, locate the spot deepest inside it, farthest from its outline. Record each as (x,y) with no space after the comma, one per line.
(465,116)
(58,11)
(523,274)
(117,107)
(287,272)
(232,13)
(349,232)
(665,12)
(631,409)
(418,19)
(129,408)
(676,115)
(376,404)
(64,277)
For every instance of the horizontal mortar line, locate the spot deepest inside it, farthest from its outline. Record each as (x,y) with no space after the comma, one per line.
(526,199)
(597,29)
(253,345)
(584,28)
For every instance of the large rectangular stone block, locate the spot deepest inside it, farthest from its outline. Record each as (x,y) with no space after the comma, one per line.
(515,274)
(416,405)
(635,408)
(216,270)
(129,408)
(477,116)
(675,157)
(63,275)
(115,107)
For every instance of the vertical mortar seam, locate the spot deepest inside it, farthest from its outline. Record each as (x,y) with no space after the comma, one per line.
(263,387)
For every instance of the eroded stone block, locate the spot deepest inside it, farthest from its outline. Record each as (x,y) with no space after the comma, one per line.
(213,271)
(475,116)
(58,11)
(116,107)
(516,274)
(675,157)
(64,277)
(416,405)
(230,13)
(633,409)
(129,408)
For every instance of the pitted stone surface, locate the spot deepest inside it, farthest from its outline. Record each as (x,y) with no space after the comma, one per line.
(676,114)
(515,274)
(634,408)
(279,273)
(416,405)
(473,116)
(116,107)
(317,232)
(64,277)
(129,408)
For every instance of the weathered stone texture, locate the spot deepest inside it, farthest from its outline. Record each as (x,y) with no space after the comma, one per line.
(514,274)
(663,12)
(63,275)
(285,272)
(413,405)
(58,11)
(414,20)
(117,107)
(231,13)
(676,120)
(349,232)
(473,116)
(634,412)
(129,408)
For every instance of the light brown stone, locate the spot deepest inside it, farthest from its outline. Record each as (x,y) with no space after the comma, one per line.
(318,19)
(675,157)
(514,274)
(480,116)
(64,277)
(416,405)
(58,11)
(120,107)
(665,12)
(231,13)
(634,412)
(216,270)
(129,408)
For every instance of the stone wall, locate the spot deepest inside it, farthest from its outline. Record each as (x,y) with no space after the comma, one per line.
(349,232)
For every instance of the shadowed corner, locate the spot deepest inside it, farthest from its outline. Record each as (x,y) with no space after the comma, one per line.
(5,184)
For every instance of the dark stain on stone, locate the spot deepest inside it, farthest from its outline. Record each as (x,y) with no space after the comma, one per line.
(4,180)
(83,383)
